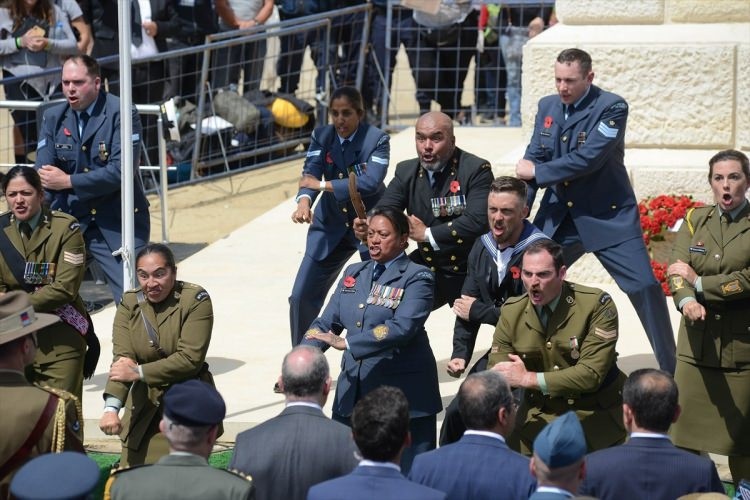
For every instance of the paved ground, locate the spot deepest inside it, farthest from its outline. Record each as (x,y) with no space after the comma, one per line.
(237,240)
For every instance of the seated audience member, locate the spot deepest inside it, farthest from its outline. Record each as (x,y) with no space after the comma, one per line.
(558,462)
(193,411)
(76,476)
(469,468)
(649,465)
(301,446)
(36,420)
(380,425)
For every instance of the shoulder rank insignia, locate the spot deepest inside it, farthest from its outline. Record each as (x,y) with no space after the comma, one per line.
(202,295)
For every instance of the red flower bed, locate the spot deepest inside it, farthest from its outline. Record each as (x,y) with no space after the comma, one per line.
(658,214)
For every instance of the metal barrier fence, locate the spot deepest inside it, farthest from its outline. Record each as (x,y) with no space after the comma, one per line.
(229,85)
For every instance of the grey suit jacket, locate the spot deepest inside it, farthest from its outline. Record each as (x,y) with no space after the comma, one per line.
(293,451)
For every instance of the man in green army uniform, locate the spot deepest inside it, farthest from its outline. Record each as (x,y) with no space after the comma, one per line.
(36,420)
(193,411)
(557,342)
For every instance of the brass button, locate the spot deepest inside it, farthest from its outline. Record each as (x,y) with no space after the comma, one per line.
(359,323)
(428,259)
(345,210)
(571,401)
(136,210)
(93,211)
(425,249)
(565,138)
(555,368)
(455,268)
(549,345)
(341,176)
(717,256)
(459,241)
(84,148)
(86,169)
(346,224)
(567,183)
(450,224)
(454,233)
(523,356)
(432,269)
(614,207)
(361,306)
(717,317)
(453,257)
(570,204)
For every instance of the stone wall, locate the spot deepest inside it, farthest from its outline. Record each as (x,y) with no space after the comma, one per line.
(682,65)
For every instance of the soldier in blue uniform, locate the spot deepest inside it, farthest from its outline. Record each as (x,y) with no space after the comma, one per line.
(576,152)
(347,144)
(78,157)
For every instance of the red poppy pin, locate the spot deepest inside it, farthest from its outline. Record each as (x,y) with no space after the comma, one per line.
(455,187)
(547,121)
(66,132)
(515,272)
(349,281)
(329,158)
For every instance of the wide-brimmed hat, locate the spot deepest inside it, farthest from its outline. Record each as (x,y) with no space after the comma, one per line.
(17,317)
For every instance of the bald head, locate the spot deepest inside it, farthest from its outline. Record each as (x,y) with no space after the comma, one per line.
(435,140)
(485,402)
(305,374)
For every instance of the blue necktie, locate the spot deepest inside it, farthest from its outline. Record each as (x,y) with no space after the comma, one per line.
(83,119)
(379,268)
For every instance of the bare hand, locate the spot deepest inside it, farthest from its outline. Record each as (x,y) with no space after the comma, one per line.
(694,311)
(124,370)
(515,372)
(462,306)
(456,367)
(684,270)
(150,28)
(360,229)
(110,423)
(525,169)
(54,179)
(329,338)
(303,214)
(417,229)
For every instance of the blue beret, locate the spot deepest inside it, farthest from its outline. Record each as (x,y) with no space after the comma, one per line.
(194,403)
(60,476)
(561,442)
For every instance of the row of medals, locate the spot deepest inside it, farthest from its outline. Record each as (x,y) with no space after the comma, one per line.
(388,296)
(448,205)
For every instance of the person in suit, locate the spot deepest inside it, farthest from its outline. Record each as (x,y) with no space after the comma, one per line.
(160,337)
(37,419)
(444,191)
(469,468)
(380,425)
(493,276)
(75,477)
(193,411)
(43,254)
(576,152)
(648,466)
(301,446)
(78,159)
(348,144)
(559,463)
(382,306)
(557,342)
(709,276)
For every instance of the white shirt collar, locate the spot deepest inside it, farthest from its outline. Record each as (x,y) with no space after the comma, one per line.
(309,404)
(650,435)
(493,435)
(371,463)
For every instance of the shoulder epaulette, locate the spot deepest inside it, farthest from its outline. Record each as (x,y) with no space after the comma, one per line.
(513,300)
(61,416)
(241,474)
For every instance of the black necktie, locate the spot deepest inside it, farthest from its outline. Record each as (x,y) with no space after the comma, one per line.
(569,111)
(344,144)
(437,181)
(83,118)
(25,229)
(379,268)
(136,36)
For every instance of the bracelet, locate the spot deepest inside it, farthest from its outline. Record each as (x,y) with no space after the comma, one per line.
(18,42)
(322,186)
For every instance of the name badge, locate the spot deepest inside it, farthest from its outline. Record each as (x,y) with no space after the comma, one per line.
(63,146)
(699,250)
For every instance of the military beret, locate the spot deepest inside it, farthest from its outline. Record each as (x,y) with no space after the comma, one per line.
(194,404)
(60,476)
(561,442)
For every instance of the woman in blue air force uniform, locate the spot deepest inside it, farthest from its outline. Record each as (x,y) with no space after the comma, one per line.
(383,305)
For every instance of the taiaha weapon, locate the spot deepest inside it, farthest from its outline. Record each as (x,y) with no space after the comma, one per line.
(359,205)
